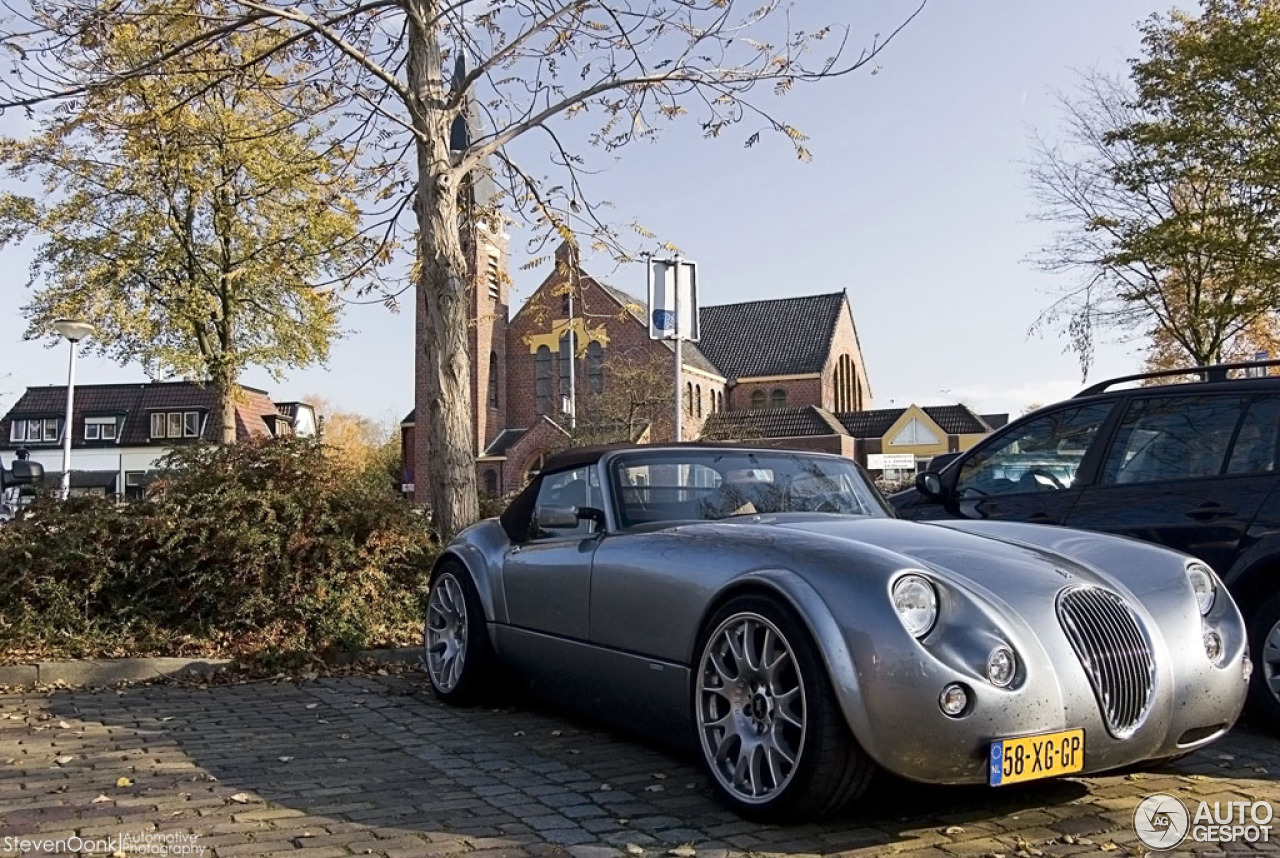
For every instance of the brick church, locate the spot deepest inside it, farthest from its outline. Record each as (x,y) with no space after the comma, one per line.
(776,356)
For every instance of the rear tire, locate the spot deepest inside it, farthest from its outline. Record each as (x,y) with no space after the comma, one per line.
(1264,648)
(456,648)
(772,736)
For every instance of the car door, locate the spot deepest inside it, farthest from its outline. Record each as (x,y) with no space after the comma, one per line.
(547,578)
(1187,472)
(1034,471)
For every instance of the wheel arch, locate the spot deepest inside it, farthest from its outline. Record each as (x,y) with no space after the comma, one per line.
(474,563)
(1255,577)
(798,596)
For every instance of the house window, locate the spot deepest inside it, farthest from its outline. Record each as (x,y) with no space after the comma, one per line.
(175,424)
(595,367)
(542,379)
(35,431)
(493,379)
(688,398)
(100,428)
(133,484)
(697,399)
(778,399)
(757,400)
(491,483)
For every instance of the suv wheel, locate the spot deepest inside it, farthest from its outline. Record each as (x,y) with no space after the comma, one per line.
(1264,646)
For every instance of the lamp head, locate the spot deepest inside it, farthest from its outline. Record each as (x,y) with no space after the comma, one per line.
(74,330)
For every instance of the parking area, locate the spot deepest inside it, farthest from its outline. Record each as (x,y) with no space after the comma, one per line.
(374,765)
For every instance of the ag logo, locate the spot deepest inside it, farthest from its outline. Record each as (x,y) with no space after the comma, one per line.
(1161,821)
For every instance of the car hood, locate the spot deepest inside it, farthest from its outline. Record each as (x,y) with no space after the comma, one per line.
(990,561)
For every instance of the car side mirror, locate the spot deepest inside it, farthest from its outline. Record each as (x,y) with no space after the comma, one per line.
(553,517)
(24,472)
(929,484)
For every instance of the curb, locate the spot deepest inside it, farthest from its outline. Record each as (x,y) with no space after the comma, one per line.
(109,671)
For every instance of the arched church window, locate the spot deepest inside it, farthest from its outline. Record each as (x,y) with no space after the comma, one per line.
(595,366)
(493,379)
(542,380)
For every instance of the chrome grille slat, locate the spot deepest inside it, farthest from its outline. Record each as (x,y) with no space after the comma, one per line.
(1115,654)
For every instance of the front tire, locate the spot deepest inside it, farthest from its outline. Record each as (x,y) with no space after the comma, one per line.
(772,736)
(1264,645)
(458,655)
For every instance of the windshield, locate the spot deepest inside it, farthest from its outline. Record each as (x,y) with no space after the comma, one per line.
(716,484)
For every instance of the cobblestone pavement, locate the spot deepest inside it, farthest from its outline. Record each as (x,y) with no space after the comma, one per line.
(375,765)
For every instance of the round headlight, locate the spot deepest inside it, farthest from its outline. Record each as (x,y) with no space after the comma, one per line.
(1203,583)
(916,602)
(1001,666)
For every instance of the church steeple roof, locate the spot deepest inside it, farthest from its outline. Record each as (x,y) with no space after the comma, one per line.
(466,127)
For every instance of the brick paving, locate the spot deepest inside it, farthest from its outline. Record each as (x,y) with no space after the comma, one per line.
(374,765)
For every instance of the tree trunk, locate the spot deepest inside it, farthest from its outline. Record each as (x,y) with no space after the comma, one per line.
(444,457)
(224,385)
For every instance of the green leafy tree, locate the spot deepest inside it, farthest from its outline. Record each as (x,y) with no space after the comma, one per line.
(1167,190)
(197,216)
(545,85)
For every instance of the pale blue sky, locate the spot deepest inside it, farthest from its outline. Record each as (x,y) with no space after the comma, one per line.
(916,202)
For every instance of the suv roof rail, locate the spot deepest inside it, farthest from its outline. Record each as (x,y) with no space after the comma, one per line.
(1214,372)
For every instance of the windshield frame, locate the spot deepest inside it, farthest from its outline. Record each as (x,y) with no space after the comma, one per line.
(867,498)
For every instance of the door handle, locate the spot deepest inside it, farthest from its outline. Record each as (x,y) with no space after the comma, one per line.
(1209,511)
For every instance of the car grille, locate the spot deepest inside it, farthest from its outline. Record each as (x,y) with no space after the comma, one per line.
(1115,653)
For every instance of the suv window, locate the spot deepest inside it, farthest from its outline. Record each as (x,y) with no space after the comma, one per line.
(1254,451)
(1041,455)
(1173,438)
(576,488)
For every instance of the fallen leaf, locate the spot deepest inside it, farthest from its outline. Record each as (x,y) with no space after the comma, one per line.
(659,775)
(684,850)
(953,829)
(1109,846)
(654,788)
(64,759)
(518,733)
(605,788)
(633,849)
(242,798)
(100,799)
(64,725)
(285,759)
(124,782)
(312,705)
(557,732)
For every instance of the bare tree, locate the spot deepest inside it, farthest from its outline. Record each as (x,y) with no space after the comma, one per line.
(538,71)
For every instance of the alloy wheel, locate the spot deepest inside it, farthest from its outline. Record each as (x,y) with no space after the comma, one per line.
(1271,660)
(446,637)
(751,708)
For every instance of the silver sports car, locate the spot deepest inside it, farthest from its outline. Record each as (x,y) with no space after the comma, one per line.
(768,605)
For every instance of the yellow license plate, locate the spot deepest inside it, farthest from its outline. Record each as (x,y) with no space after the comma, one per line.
(1028,758)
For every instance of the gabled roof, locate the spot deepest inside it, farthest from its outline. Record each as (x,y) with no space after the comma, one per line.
(794,422)
(783,336)
(135,402)
(951,419)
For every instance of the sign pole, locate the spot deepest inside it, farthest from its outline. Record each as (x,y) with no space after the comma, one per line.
(679,424)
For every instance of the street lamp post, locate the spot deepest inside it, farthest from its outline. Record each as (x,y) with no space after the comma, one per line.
(73,330)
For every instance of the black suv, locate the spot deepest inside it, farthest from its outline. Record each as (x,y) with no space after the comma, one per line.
(1192,465)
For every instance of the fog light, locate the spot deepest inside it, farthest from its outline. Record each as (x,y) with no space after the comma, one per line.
(1001,666)
(954,700)
(1213,646)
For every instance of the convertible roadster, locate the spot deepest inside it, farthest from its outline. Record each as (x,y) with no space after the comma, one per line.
(768,605)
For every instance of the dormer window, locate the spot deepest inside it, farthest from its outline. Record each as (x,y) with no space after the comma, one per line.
(175,424)
(100,428)
(40,431)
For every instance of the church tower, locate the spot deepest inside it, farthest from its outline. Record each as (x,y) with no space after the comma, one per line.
(484,242)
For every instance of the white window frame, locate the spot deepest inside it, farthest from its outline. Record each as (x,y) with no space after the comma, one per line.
(174,424)
(100,428)
(162,417)
(187,415)
(18,431)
